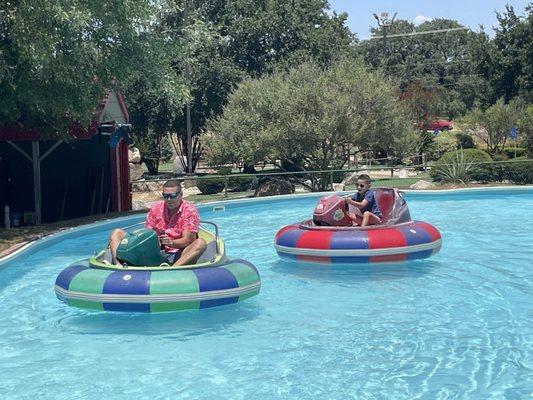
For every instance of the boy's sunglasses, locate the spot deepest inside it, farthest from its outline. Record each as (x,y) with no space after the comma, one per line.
(168,196)
(361,185)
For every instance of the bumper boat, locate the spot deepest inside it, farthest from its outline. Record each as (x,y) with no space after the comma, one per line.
(329,238)
(214,280)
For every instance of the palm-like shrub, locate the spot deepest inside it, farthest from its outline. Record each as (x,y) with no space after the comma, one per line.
(462,166)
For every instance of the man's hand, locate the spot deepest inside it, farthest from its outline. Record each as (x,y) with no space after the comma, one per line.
(165,240)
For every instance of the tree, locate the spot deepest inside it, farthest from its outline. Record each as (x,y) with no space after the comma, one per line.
(56,56)
(525,129)
(458,66)
(513,73)
(226,41)
(304,116)
(493,125)
(261,35)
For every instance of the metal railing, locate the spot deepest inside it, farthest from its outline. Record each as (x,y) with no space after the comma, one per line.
(144,192)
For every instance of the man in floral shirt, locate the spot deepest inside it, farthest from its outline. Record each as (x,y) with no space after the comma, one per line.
(176,223)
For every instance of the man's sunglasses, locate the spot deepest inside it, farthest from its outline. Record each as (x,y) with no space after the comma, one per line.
(168,196)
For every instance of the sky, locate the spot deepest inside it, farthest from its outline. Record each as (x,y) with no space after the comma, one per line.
(470,13)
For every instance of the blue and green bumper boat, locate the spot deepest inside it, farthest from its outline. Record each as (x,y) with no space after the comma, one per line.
(215,280)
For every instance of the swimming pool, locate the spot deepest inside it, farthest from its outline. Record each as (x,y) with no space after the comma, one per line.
(458,325)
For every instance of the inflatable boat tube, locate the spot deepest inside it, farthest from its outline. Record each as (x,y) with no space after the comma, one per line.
(213,281)
(397,239)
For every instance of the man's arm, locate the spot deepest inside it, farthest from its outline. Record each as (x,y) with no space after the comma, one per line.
(186,239)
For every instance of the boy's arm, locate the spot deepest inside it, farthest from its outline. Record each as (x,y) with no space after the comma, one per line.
(358,204)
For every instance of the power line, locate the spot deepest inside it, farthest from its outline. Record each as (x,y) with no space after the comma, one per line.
(421,33)
(414,65)
(448,77)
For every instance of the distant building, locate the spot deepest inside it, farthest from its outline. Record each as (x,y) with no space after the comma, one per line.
(51,180)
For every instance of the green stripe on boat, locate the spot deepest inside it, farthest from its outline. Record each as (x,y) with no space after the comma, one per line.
(244,274)
(89,281)
(173,282)
(186,305)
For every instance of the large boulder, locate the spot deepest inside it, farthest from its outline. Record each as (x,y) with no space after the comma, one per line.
(136,172)
(141,205)
(134,159)
(134,155)
(273,187)
(143,186)
(351,179)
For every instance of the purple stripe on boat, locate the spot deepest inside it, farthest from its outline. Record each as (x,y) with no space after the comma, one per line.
(420,254)
(414,234)
(355,240)
(350,259)
(290,237)
(127,282)
(218,302)
(65,277)
(215,279)
(127,307)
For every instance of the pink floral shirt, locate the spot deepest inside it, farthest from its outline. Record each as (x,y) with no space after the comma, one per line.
(186,219)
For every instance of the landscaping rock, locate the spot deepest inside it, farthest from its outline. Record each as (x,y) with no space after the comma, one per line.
(422,184)
(273,187)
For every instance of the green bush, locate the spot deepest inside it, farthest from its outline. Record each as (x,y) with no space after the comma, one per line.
(460,166)
(442,143)
(211,185)
(224,171)
(464,140)
(241,183)
(499,170)
(520,152)
(518,171)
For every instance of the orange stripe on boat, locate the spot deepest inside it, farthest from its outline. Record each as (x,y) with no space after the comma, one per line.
(315,240)
(316,259)
(384,238)
(388,258)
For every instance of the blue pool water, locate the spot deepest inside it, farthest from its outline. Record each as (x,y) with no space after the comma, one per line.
(457,325)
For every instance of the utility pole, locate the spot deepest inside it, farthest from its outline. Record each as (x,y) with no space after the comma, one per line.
(385,23)
(188,105)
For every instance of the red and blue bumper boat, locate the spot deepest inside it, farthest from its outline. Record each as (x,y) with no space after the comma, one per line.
(329,237)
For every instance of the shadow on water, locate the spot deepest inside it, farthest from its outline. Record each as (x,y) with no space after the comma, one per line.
(182,324)
(355,272)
